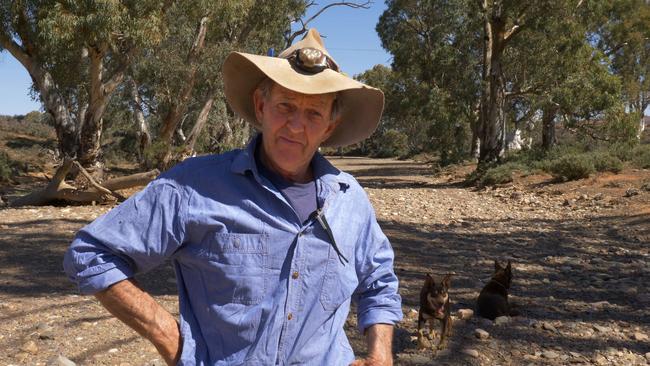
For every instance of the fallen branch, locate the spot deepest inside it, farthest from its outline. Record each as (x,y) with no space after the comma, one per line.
(58,190)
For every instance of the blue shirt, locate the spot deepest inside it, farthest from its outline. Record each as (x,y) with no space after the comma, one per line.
(256,286)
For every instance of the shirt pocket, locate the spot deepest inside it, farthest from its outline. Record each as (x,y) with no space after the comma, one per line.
(339,283)
(234,267)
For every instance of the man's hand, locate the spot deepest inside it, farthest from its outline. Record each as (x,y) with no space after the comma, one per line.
(379,338)
(137,309)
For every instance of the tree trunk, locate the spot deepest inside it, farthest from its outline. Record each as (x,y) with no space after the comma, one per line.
(99,95)
(492,121)
(64,124)
(179,106)
(548,127)
(201,120)
(144,136)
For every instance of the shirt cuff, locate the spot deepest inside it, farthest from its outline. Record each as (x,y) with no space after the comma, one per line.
(379,316)
(92,284)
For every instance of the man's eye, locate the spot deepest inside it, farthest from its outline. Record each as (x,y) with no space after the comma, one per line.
(315,115)
(284,107)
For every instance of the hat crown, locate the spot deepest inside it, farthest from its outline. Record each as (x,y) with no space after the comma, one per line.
(311,40)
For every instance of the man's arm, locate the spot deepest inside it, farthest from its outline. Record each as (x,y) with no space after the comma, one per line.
(137,309)
(379,338)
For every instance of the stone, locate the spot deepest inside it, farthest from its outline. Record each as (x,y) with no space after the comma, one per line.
(631,192)
(481,334)
(638,336)
(113,350)
(502,320)
(29,347)
(470,352)
(646,187)
(600,328)
(60,361)
(550,355)
(548,326)
(647,356)
(412,314)
(599,360)
(465,313)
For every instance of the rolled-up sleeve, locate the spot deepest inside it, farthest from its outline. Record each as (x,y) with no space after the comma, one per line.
(134,237)
(377,297)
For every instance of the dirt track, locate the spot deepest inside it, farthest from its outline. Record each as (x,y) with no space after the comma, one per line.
(579,250)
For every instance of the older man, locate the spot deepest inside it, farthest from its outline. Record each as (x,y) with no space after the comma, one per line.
(270,244)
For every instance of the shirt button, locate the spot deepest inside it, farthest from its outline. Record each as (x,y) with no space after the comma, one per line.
(290,316)
(236,243)
(295,275)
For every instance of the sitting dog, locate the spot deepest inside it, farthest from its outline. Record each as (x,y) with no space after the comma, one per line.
(493,300)
(434,305)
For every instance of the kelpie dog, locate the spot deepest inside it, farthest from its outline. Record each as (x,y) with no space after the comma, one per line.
(493,300)
(434,304)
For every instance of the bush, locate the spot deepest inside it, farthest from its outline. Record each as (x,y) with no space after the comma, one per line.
(605,162)
(641,157)
(391,143)
(623,151)
(7,167)
(572,167)
(499,174)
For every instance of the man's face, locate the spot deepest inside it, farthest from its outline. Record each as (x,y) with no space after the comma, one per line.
(293,127)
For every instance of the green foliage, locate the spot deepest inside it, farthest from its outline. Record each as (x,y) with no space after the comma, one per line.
(391,143)
(500,174)
(572,167)
(641,157)
(8,168)
(605,162)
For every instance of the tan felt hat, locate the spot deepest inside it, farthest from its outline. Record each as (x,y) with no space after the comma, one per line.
(305,67)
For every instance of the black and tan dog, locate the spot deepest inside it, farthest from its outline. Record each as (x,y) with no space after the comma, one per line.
(493,300)
(434,305)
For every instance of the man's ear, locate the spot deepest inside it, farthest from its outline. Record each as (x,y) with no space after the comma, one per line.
(258,104)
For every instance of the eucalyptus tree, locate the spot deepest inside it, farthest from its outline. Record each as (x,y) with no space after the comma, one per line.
(180,79)
(623,33)
(77,53)
(436,56)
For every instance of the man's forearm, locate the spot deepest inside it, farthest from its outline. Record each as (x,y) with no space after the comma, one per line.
(137,309)
(380,341)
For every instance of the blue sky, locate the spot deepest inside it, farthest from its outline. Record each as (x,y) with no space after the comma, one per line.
(349,36)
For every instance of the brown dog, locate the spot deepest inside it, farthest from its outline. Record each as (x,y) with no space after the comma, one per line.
(434,305)
(493,300)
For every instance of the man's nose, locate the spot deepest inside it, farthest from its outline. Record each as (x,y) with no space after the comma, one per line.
(296,122)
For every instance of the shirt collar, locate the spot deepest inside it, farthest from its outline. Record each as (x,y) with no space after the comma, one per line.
(323,170)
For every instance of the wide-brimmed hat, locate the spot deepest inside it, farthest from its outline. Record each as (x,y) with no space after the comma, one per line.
(306,67)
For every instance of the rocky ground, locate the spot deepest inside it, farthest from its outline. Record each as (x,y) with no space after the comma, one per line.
(580,253)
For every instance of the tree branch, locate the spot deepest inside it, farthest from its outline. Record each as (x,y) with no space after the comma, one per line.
(305,24)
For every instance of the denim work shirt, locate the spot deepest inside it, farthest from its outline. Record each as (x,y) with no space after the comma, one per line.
(256,286)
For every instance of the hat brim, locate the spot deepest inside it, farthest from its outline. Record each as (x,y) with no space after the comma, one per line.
(361,105)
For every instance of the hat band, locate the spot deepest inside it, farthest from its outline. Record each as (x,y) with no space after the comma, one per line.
(312,60)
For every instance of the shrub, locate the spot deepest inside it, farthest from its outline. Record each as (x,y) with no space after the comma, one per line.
(572,167)
(499,174)
(623,151)
(605,162)
(641,157)
(7,167)
(390,144)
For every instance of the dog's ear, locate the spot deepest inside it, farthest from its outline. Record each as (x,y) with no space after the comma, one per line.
(497,266)
(428,281)
(446,281)
(509,267)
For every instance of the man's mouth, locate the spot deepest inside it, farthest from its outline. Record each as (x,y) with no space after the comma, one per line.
(290,141)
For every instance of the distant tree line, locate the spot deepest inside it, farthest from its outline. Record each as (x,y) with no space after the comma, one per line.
(469,78)
(472,78)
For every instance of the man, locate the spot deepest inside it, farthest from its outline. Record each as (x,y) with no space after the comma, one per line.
(269,244)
